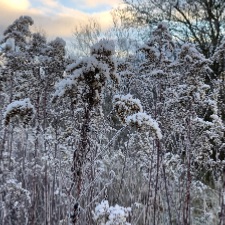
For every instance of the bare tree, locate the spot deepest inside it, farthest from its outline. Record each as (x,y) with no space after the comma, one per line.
(200,21)
(86,35)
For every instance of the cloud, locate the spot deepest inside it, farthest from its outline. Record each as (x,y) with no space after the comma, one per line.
(11,10)
(94,3)
(53,17)
(50,3)
(15,4)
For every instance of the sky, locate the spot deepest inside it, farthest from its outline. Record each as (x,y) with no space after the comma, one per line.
(57,17)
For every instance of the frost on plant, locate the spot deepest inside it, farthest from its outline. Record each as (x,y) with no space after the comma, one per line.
(22,108)
(125,105)
(104,46)
(144,121)
(15,204)
(89,75)
(130,112)
(2,61)
(111,215)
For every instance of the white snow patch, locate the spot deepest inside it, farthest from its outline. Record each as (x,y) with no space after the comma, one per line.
(111,215)
(142,119)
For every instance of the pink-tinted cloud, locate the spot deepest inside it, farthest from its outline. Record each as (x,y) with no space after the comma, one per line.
(94,3)
(51,15)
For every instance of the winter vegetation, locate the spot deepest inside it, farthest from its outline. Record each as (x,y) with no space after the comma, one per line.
(125,130)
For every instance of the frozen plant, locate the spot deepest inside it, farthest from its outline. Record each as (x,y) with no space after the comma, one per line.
(130,112)
(111,215)
(103,47)
(144,121)
(126,105)
(101,212)
(18,32)
(89,76)
(22,108)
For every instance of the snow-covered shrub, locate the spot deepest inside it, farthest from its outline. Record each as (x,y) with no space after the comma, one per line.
(88,76)
(15,203)
(130,112)
(159,48)
(22,108)
(126,105)
(219,59)
(111,215)
(103,47)
(103,51)
(144,122)
(18,31)
(205,204)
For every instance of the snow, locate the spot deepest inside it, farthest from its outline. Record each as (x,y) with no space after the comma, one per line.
(157,73)
(111,215)
(65,84)
(87,63)
(118,215)
(130,112)
(59,41)
(21,104)
(42,73)
(71,81)
(101,209)
(19,30)
(9,44)
(2,60)
(127,97)
(88,71)
(72,66)
(127,101)
(103,46)
(203,122)
(118,161)
(141,119)
(21,107)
